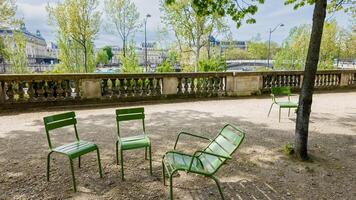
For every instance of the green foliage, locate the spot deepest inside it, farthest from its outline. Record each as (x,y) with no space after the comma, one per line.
(191,29)
(7,19)
(123,19)
(108,51)
(236,9)
(293,54)
(214,64)
(335,43)
(16,53)
(259,50)
(102,57)
(165,66)
(288,149)
(8,11)
(130,62)
(77,22)
(172,58)
(234,53)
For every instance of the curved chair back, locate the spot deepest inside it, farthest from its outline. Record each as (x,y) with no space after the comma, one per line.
(129,114)
(224,144)
(59,121)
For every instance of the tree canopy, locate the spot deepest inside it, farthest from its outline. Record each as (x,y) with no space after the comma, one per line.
(77,23)
(122,19)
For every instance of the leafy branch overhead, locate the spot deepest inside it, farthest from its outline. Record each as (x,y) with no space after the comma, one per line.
(243,10)
(238,10)
(349,6)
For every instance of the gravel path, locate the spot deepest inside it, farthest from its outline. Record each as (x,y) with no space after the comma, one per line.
(258,170)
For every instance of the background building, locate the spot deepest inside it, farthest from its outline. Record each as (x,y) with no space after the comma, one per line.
(40,56)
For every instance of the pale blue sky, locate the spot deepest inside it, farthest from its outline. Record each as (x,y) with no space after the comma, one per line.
(269,15)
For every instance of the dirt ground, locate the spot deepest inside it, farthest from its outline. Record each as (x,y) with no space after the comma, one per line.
(259,169)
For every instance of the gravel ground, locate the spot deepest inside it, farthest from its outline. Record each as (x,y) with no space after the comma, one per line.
(258,170)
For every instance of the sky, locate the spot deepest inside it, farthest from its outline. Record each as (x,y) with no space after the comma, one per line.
(269,15)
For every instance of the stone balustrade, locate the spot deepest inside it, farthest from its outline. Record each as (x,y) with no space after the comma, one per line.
(68,89)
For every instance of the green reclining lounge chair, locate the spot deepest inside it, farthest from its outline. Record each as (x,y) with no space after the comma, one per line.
(133,142)
(71,150)
(205,162)
(281,91)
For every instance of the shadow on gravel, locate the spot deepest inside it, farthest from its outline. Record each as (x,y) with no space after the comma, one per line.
(258,170)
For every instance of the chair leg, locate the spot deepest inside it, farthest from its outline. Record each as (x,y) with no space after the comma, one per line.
(163,173)
(73,177)
(171,186)
(279,114)
(79,161)
(270,110)
(48,164)
(150,153)
(146,153)
(122,164)
(117,152)
(218,184)
(99,163)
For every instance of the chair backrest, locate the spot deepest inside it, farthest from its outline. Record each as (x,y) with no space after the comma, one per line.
(58,121)
(129,114)
(281,90)
(225,144)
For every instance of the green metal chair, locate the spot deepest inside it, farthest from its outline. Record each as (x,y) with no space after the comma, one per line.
(205,162)
(71,150)
(281,91)
(132,142)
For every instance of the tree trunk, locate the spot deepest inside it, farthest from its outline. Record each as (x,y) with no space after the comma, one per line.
(197,57)
(85,59)
(124,47)
(208,47)
(306,95)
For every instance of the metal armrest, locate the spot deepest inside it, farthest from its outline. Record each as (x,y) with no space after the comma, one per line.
(190,134)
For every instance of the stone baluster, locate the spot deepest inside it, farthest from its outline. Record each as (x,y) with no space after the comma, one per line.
(20,91)
(329,80)
(129,87)
(216,85)
(68,89)
(179,92)
(205,86)
(339,79)
(144,87)
(222,88)
(40,91)
(151,87)
(198,87)
(186,86)
(122,88)
(49,90)
(211,85)
(10,92)
(115,90)
(31,91)
(3,92)
(105,90)
(136,90)
(192,86)
(158,87)
(77,89)
(59,90)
